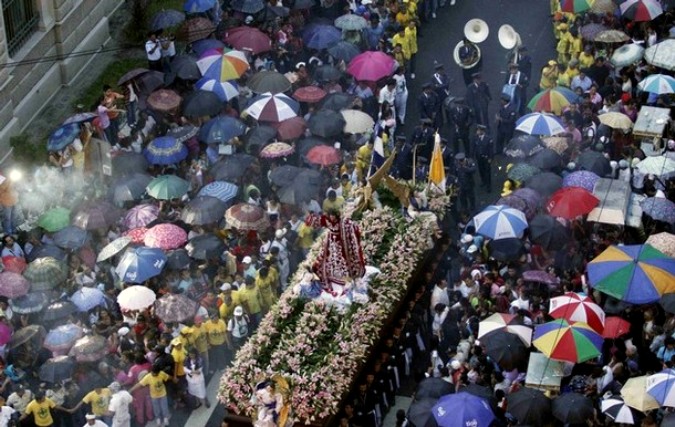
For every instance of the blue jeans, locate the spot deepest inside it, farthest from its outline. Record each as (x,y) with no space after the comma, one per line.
(131,113)
(160,407)
(8,219)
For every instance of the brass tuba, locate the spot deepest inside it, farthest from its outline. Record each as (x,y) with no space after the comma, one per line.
(508,37)
(467,55)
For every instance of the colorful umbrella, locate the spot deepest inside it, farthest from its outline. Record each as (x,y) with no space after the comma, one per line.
(552,100)
(659,208)
(248,38)
(13,285)
(71,237)
(508,323)
(371,66)
(166,236)
(14,264)
(276,150)
(575,307)
(634,393)
(571,202)
(221,190)
(87,298)
(113,248)
(462,409)
(96,214)
(661,386)
(638,274)
(60,339)
(33,302)
(221,129)
(223,66)
(665,242)
(203,210)
(658,83)
(617,410)
(540,124)
(165,150)
(357,121)
(63,137)
(135,298)
(164,100)
(225,91)
(57,369)
(581,179)
(662,54)
(167,187)
(140,215)
(54,219)
(627,54)
(641,10)
(309,94)
(45,273)
(575,6)
(272,108)
(89,349)
(137,235)
(175,308)
(615,327)
(573,342)
(616,120)
(140,264)
(244,216)
(269,81)
(500,222)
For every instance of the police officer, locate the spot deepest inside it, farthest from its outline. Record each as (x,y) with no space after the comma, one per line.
(464,169)
(478,97)
(429,104)
(483,151)
(441,81)
(423,138)
(506,122)
(460,118)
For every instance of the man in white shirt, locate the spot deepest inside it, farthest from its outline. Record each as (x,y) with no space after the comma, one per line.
(93,422)
(5,413)
(119,406)
(440,294)
(20,399)
(388,95)
(153,49)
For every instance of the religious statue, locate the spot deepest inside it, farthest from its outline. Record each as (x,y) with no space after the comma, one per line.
(272,397)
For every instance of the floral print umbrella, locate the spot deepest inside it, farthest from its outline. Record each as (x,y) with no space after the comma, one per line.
(165,236)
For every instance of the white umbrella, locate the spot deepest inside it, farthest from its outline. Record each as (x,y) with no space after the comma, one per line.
(357,121)
(661,387)
(662,54)
(616,409)
(136,297)
(658,83)
(657,165)
(500,222)
(627,54)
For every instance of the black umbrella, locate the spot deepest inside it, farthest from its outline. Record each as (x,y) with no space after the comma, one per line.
(128,163)
(257,137)
(420,412)
(572,408)
(484,393)
(129,188)
(326,123)
(546,159)
(248,6)
(185,67)
(505,348)
(545,183)
(548,232)
(166,19)
(130,75)
(273,12)
(305,144)
(71,237)
(57,369)
(32,302)
(25,334)
(337,101)
(433,388)
(284,175)
(327,73)
(203,210)
(344,51)
(668,302)
(303,4)
(530,406)
(201,103)
(268,81)
(523,146)
(231,168)
(44,251)
(183,133)
(506,249)
(206,246)
(150,81)
(178,259)
(594,162)
(58,310)
(298,192)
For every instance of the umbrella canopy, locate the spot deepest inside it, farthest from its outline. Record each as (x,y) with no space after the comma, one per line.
(13,285)
(197,6)
(506,250)
(63,137)
(96,214)
(321,36)
(231,168)
(165,150)
(611,36)
(603,6)
(57,369)
(185,67)
(506,349)
(522,146)
(616,120)
(552,100)
(291,129)
(244,216)
(259,136)
(89,349)
(221,190)
(627,54)
(640,10)
(80,117)
(661,387)
(205,246)
(136,235)
(129,163)
(269,82)
(351,22)
(433,388)
(71,237)
(140,264)
(201,46)
(575,6)
(326,123)
(662,54)
(615,327)
(309,94)
(617,410)
(657,165)
(87,298)
(54,219)
(572,408)
(270,107)
(419,412)
(276,150)
(58,310)
(178,259)
(203,210)
(140,215)
(14,264)
(175,308)
(300,190)
(305,144)
(546,159)
(371,66)
(357,121)
(223,66)
(589,31)
(336,101)
(499,222)
(581,179)
(136,298)
(634,394)
(166,236)
(530,406)
(168,18)
(665,242)
(324,155)
(49,250)
(659,208)
(167,187)
(545,183)
(45,273)
(164,100)
(658,83)
(33,302)
(521,172)
(221,129)
(576,307)
(595,162)
(540,124)
(284,175)
(150,81)
(225,91)
(113,248)
(344,51)
(201,103)
(128,76)
(638,274)
(248,38)
(559,144)
(26,334)
(518,203)
(573,342)
(462,409)
(571,202)
(539,276)
(248,6)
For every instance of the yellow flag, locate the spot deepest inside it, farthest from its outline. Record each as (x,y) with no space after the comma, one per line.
(436,169)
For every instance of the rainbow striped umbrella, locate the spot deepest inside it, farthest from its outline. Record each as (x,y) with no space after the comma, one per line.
(575,6)
(638,274)
(222,66)
(552,100)
(573,342)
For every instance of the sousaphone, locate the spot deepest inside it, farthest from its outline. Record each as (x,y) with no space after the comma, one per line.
(508,37)
(475,31)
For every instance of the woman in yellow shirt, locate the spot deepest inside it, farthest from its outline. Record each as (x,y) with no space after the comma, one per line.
(586,58)
(411,35)
(179,354)
(549,76)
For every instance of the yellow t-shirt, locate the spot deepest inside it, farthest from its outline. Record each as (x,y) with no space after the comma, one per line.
(411,35)
(199,339)
(335,205)
(215,332)
(251,297)
(156,384)
(225,310)
(99,402)
(404,42)
(585,60)
(41,411)
(576,45)
(179,356)
(305,236)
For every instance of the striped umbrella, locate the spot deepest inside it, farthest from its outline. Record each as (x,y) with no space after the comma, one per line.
(616,409)
(225,91)
(576,307)
(661,386)
(500,222)
(552,100)
(223,66)
(637,274)
(573,342)
(634,393)
(575,6)
(272,108)
(641,10)
(658,83)
(540,124)
(220,190)
(165,150)
(508,323)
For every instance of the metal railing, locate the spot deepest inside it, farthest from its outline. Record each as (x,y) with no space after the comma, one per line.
(21,21)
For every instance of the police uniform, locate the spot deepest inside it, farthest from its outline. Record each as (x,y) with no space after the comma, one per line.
(460,118)
(483,152)
(429,104)
(478,97)
(506,122)
(465,168)
(423,138)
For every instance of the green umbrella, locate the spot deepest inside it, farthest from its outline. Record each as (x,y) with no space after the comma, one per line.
(45,274)
(522,172)
(167,187)
(55,219)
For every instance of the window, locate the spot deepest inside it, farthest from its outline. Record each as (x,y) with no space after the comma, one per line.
(21,21)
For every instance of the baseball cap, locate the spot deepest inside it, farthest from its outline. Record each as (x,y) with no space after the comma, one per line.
(238,311)
(247,260)
(226,287)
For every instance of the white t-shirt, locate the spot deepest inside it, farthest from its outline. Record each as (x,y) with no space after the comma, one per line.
(97,423)
(119,404)
(155,55)
(5,415)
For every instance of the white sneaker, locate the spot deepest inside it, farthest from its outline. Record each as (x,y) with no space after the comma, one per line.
(433,15)
(452,2)
(412,76)
(166,421)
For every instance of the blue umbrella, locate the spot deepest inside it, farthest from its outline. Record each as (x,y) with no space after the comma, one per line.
(220,190)
(322,36)
(165,150)
(63,337)
(87,298)
(462,409)
(659,208)
(141,264)
(344,50)
(223,90)
(63,137)
(71,237)
(248,6)
(80,118)
(166,19)
(201,46)
(221,129)
(500,222)
(197,6)
(540,124)
(583,179)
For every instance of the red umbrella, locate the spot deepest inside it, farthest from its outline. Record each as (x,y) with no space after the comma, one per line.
(137,235)
(324,155)
(14,264)
(290,129)
(13,285)
(164,100)
(371,66)
(571,202)
(248,38)
(310,94)
(165,236)
(615,327)
(244,216)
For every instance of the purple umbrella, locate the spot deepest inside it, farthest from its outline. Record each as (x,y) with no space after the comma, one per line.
(540,277)
(529,209)
(96,214)
(140,216)
(13,285)
(659,208)
(583,179)
(532,197)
